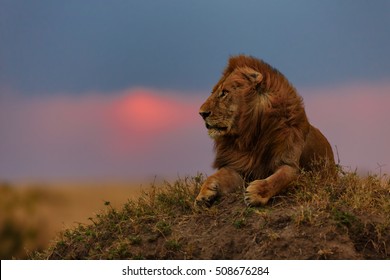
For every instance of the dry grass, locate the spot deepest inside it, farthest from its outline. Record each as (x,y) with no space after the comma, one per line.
(320,217)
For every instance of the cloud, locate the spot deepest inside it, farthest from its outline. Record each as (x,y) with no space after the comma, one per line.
(137,132)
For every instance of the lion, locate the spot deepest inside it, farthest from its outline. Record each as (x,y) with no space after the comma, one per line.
(262,136)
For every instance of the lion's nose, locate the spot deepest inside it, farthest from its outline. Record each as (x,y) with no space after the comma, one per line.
(204,114)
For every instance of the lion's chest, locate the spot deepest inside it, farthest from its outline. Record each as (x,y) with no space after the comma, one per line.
(249,163)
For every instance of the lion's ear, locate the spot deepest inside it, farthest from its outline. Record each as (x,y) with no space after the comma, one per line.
(252,75)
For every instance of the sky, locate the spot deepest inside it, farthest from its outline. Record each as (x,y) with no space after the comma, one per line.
(111,89)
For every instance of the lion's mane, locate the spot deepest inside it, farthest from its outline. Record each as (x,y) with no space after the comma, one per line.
(266,123)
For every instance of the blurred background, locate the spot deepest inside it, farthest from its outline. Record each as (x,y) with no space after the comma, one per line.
(97,98)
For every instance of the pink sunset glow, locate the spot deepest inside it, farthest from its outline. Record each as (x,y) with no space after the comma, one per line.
(150,112)
(137,132)
(142,116)
(144,132)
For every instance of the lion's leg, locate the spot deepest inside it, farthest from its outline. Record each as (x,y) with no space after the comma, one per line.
(223,181)
(260,191)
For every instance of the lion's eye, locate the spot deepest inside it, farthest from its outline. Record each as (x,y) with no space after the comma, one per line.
(223,93)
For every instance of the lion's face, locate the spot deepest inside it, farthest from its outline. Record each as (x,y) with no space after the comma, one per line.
(221,111)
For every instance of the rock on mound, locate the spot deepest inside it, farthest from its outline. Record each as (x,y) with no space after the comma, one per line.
(318,218)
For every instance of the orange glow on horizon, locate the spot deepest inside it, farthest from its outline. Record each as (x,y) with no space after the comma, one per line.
(145,112)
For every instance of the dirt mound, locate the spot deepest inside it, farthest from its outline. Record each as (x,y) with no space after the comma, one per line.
(319,218)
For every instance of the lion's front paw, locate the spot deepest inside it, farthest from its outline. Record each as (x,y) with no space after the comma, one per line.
(257,193)
(207,195)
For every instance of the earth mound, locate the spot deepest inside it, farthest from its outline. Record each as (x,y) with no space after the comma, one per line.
(320,217)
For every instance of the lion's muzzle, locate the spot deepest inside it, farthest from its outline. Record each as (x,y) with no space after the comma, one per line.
(204,114)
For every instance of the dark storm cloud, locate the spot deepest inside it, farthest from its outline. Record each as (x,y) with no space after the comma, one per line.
(50,46)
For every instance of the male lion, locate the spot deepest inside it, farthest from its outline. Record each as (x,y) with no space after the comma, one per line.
(261,132)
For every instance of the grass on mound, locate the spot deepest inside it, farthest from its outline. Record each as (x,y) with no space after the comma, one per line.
(114,232)
(163,224)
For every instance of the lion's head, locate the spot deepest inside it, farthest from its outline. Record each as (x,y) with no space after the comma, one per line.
(222,110)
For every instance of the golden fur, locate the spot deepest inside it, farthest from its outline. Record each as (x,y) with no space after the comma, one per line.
(261,133)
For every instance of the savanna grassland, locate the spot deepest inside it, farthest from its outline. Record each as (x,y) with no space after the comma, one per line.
(31,214)
(319,217)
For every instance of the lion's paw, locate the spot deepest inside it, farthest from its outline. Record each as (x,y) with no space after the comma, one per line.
(207,195)
(257,193)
